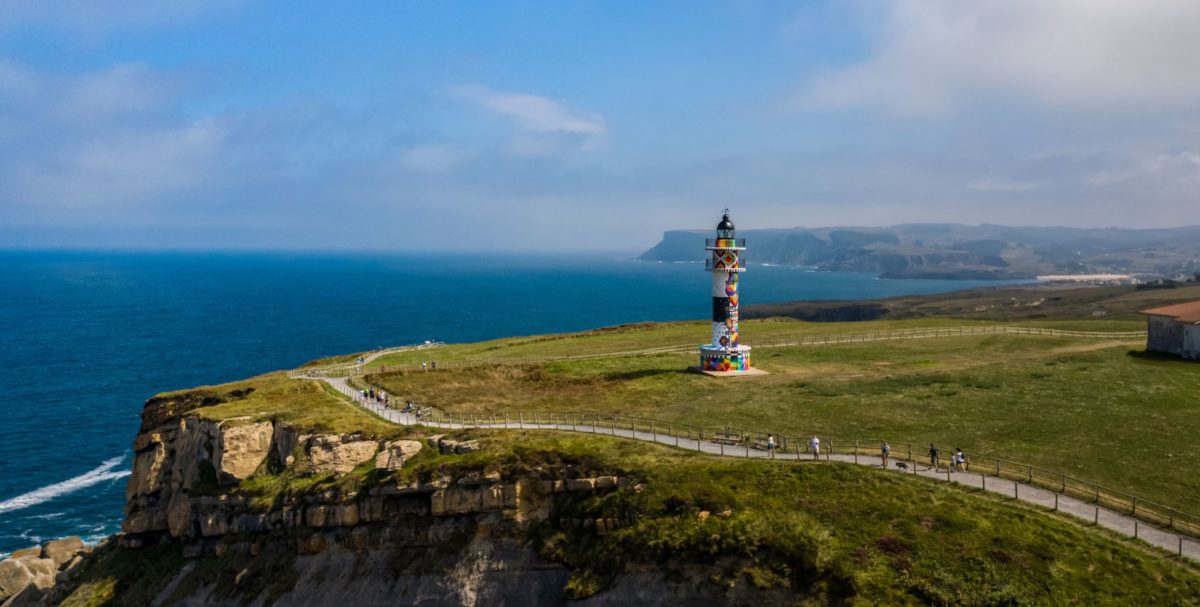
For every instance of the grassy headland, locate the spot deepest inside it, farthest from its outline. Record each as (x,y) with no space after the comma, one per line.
(1096,409)
(820,533)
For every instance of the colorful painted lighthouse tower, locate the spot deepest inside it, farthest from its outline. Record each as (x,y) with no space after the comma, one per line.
(726,264)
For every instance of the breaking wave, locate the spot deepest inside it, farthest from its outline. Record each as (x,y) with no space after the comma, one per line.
(103,472)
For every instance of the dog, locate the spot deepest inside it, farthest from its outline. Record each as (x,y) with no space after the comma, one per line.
(902,466)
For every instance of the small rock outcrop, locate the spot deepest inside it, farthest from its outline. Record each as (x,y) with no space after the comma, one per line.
(30,571)
(395,453)
(243,449)
(336,454)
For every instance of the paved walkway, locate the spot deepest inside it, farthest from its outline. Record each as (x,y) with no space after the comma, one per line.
(1117,522)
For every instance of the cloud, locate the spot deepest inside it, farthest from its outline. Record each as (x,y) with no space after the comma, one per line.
(988,184)
(533,112)
(431,158)
(100,140)
(933,55)
(98,17)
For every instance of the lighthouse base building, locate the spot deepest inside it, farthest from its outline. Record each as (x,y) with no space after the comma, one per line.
(725,355)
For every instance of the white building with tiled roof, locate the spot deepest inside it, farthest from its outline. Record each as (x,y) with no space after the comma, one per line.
(1174,329)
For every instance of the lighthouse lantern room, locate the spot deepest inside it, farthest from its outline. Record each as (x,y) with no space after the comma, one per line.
(727,262)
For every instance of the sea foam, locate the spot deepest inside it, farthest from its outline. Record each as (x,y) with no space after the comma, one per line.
(103,472)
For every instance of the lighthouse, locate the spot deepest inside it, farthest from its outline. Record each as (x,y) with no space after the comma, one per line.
(726,263)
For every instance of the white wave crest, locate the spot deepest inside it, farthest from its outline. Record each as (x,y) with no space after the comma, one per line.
(103,472)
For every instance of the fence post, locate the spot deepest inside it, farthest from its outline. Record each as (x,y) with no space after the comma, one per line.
(521,419)
(947,474)
(1096,516)
(535,420)
(574,422)
(1171,513)
(722,443)
(1181,545)
(594,422)
(1064,483)
(747,447)
(653,434)
(671,431)
(1056,502)
(828,449)
(1134,512)
(1135,529)
(614,426)
(914,462)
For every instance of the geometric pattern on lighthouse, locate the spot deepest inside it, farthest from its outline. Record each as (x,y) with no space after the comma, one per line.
(725,352)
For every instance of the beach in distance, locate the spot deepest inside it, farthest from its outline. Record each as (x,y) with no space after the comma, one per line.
(89,336)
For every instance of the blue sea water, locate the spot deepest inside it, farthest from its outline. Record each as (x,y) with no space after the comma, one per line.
(87,337)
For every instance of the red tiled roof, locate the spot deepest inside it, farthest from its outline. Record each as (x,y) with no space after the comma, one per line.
(1184,312)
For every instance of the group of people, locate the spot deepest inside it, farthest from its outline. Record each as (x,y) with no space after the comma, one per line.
(814,444)
(373,396)
(958,460)
(427,365)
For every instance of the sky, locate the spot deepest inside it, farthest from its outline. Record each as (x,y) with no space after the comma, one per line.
(556,126)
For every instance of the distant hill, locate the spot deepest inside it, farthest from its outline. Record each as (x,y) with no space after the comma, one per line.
(959,251)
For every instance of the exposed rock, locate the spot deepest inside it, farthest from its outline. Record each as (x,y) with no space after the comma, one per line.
(395,453)
(242,450)
(286,438)
(34,551)
(331,453)
(703,516)
(14,577)
(435,440)
(60,551)
(581,484)
(43,570)
(466,447)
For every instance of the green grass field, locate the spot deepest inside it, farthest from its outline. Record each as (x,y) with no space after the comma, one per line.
(1091,408)
(827,533)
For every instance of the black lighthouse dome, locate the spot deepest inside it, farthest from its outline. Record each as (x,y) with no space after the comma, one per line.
(725,224)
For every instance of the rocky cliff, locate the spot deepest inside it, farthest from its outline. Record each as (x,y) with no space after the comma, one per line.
(238,511)
(956,251)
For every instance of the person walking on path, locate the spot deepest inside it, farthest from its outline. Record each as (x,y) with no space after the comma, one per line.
(423,367)
(960,459)
(885,450)
(933,456)
(816,447)
(771,446)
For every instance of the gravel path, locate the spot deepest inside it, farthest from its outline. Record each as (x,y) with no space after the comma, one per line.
(1117,522)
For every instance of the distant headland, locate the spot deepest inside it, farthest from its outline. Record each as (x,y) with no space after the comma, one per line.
(964,252)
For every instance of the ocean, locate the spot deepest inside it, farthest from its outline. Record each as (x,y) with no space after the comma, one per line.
(87,337)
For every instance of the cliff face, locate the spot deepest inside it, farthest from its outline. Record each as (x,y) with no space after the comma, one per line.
(956,251)
(451,539)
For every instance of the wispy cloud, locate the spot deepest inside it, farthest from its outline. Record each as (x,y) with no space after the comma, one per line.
(988,184)
(932,55)
(431,158)
(534,112)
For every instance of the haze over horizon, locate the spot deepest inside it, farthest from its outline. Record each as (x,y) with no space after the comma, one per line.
(586,126)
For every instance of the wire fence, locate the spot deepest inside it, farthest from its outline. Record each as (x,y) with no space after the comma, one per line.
(742,442)
(356,368)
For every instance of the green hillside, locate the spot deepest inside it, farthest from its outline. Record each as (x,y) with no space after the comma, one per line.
(1093,408)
